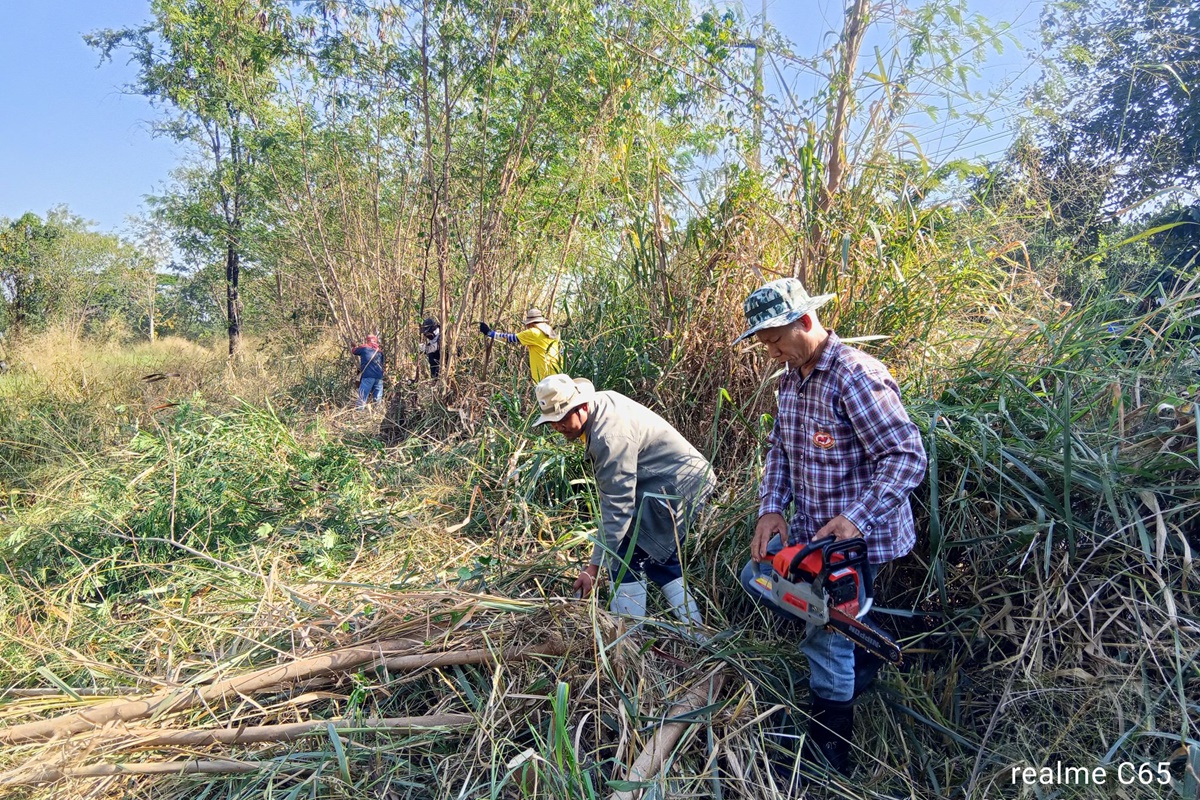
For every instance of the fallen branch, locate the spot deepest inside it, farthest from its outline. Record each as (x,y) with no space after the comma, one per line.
(175,700)
(53,692)
(192,766)
(149,737)
(647,765)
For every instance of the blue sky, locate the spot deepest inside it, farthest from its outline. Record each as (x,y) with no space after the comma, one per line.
(808,23)
(71,136)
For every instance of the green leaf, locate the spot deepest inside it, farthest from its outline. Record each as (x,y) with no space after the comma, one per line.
(1146,234)
(628,786)
(57,681)
(339,751)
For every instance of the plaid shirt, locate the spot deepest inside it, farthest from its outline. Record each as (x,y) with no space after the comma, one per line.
(843,444)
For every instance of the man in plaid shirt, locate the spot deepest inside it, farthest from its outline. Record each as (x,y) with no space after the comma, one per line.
(844,456)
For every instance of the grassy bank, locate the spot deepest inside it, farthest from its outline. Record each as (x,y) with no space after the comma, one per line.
(1047,614)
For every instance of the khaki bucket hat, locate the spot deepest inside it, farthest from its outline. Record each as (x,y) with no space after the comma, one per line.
(534,315)
(558,395)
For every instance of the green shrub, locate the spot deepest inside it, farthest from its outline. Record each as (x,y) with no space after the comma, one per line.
(200,484)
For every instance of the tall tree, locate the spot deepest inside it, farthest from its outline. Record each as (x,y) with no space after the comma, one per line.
(1126,100)
(455,157)
(212,65)
(154,246)
(26,264)
(58,270)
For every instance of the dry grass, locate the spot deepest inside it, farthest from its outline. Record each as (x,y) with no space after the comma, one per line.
(1033,633)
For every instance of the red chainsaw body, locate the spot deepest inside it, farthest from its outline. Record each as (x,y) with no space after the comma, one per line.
(824,583)
(798,573)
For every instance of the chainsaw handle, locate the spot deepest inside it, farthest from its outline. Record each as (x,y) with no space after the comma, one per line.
(854,554)
(805,551)
(854,551)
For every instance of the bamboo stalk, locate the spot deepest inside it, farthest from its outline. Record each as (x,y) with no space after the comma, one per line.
(192,766)
(151,737)
(49,691)
(651,759)
(461,657)
(175,700)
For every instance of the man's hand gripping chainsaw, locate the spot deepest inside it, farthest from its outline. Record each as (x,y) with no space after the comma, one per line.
(824,583)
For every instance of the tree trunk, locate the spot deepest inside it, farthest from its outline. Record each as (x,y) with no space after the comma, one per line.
(153,298)
(659,749)
(232,271)
(288,732)
(660,250)
(449,326)
(333,662)
(759,98)
(856,28)
(857,16)
(191,766)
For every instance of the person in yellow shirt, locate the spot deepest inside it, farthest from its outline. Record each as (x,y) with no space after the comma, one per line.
(545,356)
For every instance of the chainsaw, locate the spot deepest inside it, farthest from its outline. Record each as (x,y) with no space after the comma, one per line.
(824,583)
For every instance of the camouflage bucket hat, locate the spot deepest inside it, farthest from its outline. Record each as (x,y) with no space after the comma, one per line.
(780,302)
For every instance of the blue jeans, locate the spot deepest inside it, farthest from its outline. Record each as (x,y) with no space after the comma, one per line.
(830,655)
(640,562)
(659,516)
(368,386)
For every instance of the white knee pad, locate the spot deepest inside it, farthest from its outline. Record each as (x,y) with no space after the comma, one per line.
(682,603)
(629,599)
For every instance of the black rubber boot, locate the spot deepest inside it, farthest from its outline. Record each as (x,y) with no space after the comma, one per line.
(866,665)
(783,739)
(830,733)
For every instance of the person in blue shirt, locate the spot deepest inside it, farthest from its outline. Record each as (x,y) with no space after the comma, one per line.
(370,370)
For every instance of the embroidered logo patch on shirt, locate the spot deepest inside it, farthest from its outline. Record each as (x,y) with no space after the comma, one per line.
(823,440)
